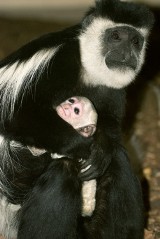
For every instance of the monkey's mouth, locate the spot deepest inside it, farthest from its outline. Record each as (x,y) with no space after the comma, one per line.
(87,131)
(121,65)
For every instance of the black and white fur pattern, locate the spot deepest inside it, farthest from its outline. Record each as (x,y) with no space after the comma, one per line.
(91,58)
(8,212)
(33,81)
(88,187)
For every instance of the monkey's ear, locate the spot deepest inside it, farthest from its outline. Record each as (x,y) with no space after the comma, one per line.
(36,151)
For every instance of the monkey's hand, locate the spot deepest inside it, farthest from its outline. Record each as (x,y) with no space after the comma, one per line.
(96,165)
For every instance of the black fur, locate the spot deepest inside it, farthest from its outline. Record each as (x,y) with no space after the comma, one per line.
(127,12)
(52,207)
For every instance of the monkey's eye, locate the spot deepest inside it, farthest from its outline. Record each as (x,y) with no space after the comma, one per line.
(115,36)
(71,101)
(76,110)
(135,41)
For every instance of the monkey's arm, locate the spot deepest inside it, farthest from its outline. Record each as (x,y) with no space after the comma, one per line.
(107,138)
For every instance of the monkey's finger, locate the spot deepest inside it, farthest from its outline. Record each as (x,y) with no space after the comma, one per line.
(92,171)
(86,163)
(82,161)
(89,174)
(85,169)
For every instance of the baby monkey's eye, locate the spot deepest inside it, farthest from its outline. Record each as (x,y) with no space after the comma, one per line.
(71,101)
(76,111)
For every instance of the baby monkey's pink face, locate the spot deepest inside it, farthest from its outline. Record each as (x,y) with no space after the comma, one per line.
(80,113)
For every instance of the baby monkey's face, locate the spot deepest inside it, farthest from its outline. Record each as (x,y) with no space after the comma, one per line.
(80,113)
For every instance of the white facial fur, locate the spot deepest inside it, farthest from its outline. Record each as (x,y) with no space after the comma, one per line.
(90,114)
(95,71)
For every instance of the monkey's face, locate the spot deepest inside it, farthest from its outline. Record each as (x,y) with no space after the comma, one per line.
(122,47)
(112,54)
(80,113)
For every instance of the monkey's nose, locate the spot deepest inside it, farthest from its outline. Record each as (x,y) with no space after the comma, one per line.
(125,57)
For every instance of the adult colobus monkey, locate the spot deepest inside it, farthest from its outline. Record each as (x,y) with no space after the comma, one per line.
(96,59)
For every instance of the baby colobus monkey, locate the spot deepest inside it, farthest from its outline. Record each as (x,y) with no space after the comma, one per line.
(80,113)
